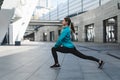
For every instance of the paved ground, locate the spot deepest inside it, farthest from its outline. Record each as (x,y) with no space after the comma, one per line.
(31,62)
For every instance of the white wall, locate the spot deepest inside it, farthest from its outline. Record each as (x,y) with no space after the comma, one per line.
(22,15)
(5,17)
(18,28)
(12,4)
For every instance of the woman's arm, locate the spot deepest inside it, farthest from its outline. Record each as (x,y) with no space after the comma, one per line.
(61,37)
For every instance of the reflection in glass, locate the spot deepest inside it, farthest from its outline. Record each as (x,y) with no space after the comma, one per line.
(90,33)
(110,30)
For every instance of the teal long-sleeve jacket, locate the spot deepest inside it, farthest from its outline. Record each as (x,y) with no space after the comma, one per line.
(65,38)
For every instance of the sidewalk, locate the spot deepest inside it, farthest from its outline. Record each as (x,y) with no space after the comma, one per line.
(32,61)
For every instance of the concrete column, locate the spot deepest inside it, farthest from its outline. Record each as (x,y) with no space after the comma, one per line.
(5,18)
(118,28)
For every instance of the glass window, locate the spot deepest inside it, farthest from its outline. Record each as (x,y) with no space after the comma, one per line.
(110,30)
(52,36)
(90,33)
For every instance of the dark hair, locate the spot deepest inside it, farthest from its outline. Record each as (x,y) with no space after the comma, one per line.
(67,19)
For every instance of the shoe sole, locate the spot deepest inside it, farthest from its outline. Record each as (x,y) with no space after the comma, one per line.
(101,67)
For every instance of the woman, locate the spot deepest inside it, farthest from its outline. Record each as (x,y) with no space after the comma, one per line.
(65,45)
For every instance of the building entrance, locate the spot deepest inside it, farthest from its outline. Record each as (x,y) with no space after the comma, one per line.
(110,30)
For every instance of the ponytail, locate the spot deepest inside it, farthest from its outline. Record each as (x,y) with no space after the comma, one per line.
(72,27)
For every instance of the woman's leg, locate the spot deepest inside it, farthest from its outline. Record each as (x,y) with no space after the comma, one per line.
(75,52)
(79,54)
(55,56)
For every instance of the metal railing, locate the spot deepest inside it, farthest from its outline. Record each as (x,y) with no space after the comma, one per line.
(71,7)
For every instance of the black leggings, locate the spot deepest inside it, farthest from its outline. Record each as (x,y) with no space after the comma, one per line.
(74,51)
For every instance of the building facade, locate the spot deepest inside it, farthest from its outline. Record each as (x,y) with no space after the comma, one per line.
(47,33)
(100,25)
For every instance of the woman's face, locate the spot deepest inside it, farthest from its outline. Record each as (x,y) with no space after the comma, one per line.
(64,22)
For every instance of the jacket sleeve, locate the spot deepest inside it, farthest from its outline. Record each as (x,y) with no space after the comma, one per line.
(61,37)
